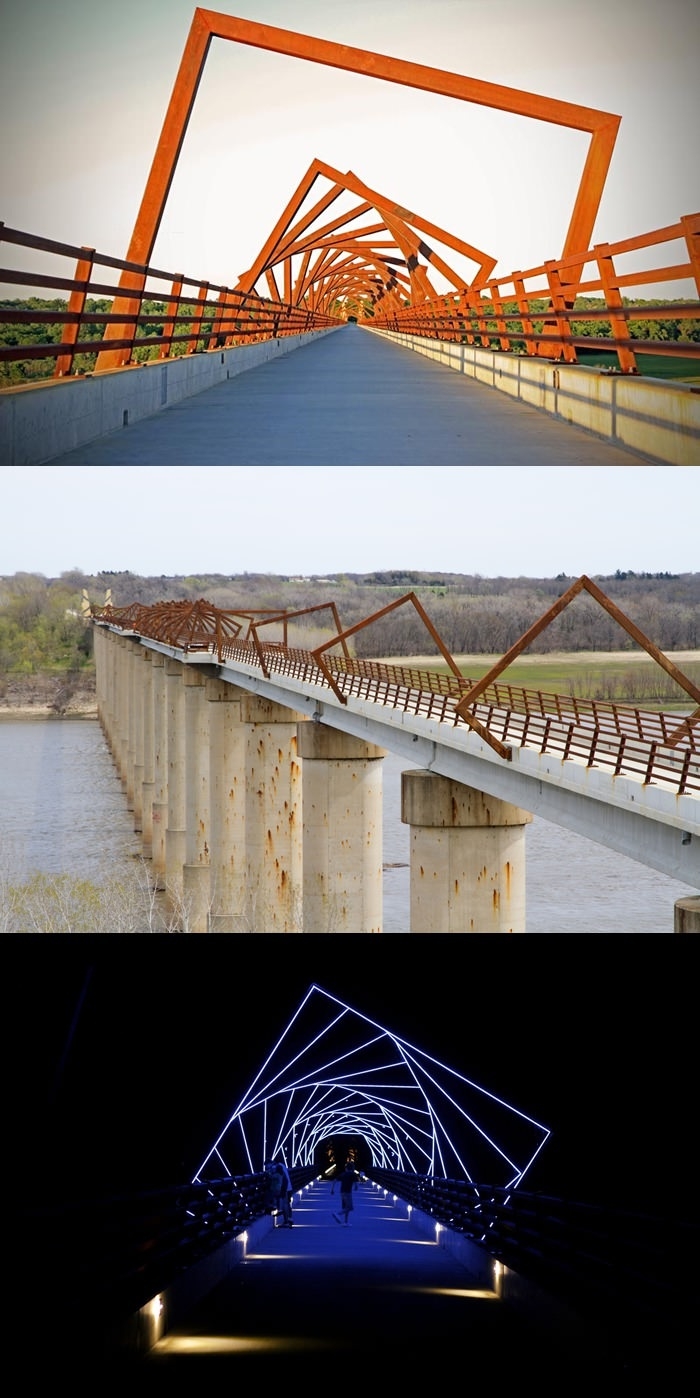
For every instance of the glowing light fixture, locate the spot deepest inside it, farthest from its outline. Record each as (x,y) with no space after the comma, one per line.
(335,1072)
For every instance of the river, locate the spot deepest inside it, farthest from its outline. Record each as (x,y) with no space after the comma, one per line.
(62,810)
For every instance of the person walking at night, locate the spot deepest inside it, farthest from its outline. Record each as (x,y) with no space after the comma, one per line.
(347,1182)
(279,1192)
(285,1194)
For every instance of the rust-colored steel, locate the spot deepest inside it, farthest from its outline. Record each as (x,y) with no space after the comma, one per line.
(206,24)
(581,584)
(650,746)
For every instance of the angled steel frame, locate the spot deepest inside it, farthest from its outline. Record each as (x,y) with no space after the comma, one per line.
(209,24)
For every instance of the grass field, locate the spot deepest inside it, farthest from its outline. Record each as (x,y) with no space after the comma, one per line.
(655,366)
(626,677)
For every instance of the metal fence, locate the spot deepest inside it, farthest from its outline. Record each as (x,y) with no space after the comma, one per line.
(535,312)
(191,316)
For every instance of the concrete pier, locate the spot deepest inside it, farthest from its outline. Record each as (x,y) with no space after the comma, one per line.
(196,871)
(342,831)
(686,914)
(273,826)
(467,857)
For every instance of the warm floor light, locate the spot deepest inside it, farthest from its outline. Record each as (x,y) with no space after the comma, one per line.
(234,1344)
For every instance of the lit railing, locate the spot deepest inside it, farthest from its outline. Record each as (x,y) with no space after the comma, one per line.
(510,313)
(622,1267)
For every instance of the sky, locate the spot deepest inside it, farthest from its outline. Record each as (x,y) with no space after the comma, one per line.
(302,520)
(84,86)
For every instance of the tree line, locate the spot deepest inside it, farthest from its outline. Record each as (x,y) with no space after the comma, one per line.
(41,626)
(52,332)
(35,333)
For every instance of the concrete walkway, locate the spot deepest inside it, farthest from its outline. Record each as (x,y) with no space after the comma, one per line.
(351,399)
(321,1298)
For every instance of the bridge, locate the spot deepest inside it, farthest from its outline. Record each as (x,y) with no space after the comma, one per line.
(509,1281)
(253,767)
(395,272)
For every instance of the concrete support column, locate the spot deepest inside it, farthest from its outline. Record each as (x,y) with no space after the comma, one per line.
(137,692)
(273,826)
(122,709)
(148,783)
(130,648)
(467,857)
(99,643)
(227,745)
(342,831)
(175,829)
(109,710)
(196,871)
(686,914)
(160,771)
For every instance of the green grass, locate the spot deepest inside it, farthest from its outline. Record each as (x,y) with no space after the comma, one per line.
(628,681)
(655,366)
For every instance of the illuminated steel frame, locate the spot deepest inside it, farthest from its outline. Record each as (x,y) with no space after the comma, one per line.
(208,24)
(336,1073)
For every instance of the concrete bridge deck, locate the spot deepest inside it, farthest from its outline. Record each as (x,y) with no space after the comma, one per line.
(328,1299)
(351,399)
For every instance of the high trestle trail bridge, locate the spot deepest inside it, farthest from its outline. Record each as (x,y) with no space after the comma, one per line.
(142,365)
(253,768)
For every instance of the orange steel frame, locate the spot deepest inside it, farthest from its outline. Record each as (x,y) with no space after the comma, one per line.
(582,584)
(194,625)
(346,262)
(209,24)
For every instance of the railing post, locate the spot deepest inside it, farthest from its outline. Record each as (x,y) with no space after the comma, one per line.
(690,223)
(172,314)
(613,301)
(197,323)
(523,305)
(563,296)
(76,305)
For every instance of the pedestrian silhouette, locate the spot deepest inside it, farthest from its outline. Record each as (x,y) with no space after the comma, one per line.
(347,1182)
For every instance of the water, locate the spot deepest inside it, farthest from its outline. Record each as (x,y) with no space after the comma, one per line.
(62,810)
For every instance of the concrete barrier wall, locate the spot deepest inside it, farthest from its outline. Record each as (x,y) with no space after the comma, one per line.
(44,420)
(653,416)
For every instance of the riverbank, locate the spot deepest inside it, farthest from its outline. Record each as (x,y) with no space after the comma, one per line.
(48,696)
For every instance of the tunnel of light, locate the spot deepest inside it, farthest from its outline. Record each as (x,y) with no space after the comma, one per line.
(334,1072)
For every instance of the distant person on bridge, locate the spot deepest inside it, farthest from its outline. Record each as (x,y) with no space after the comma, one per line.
(347,1181)
(279,1191)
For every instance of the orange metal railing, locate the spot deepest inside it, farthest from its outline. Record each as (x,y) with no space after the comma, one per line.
(510,313)
(532,312)
(648,746)
(195,315)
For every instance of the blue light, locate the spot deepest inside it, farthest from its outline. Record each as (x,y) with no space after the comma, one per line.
(414,1112)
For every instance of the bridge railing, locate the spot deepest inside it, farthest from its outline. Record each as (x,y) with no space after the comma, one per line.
(651,747)
(628,742)
(535,311)
(628,1268)
(189,315)
(102,1259)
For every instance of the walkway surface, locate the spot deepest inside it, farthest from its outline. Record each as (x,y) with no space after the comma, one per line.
(325,1299)
(351,399)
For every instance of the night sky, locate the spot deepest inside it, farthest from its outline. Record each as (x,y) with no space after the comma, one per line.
(130,1055)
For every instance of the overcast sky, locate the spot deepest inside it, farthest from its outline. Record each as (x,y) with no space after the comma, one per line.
(84,86)
(497,521)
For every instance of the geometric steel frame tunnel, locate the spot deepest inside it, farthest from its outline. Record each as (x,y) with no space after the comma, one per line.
(208,24)
(336,1073)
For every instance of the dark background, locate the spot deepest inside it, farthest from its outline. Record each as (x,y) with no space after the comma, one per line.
(127,1056)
